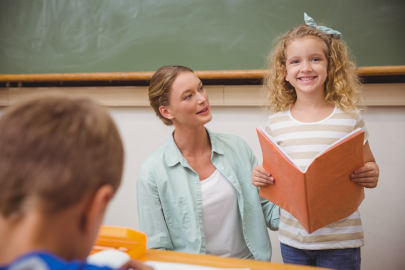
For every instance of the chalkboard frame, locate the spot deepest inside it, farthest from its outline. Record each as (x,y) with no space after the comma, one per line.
(371,74)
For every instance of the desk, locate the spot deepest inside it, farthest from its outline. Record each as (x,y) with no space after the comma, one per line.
(135,244)
(215,261)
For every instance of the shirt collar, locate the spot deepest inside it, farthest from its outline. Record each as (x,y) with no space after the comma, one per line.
(172,154)
(215,145)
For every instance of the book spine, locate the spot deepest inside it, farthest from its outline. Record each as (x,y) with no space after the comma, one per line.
(307,209)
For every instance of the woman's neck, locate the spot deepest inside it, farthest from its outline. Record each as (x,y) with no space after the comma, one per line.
(192,141)
(195,146)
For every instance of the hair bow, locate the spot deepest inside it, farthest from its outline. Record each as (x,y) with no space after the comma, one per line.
(311,22)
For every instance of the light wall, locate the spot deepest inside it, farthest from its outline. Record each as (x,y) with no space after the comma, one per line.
(237,110)
(382,211)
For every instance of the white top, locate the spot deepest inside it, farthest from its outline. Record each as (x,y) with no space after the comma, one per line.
(302,141)
(221,220)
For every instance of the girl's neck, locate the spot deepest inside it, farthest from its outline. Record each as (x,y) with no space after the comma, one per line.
(311,109)
(192,141)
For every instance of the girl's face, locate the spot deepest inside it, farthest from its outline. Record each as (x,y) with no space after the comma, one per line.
(188,101)
(307,65)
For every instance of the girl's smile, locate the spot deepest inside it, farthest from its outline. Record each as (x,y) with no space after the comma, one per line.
(306,65)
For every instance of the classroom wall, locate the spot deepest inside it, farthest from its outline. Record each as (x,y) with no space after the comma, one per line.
(382,211)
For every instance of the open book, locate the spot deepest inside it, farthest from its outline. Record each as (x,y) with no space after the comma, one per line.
(324,192)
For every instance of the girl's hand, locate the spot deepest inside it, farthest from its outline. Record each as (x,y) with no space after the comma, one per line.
(261,178)
(367,176)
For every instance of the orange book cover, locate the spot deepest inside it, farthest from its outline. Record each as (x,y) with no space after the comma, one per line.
(324,192)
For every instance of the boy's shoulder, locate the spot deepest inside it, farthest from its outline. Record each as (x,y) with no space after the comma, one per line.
(42,260)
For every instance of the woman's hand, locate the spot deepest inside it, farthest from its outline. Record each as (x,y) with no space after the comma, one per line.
(261,178)
(366,176)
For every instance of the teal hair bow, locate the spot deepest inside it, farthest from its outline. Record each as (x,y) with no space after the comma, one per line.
(311,22)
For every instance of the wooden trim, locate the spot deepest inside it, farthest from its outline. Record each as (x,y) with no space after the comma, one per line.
(390,94)
(75,77)
(255,74)
(231,74)
(381,70)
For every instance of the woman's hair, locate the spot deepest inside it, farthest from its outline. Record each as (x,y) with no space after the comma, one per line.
(160,85)
(341,86)
(55,151)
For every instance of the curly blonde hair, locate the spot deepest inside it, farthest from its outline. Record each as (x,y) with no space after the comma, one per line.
(341,86)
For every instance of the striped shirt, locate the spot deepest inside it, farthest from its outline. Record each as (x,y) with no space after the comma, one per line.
(302,141)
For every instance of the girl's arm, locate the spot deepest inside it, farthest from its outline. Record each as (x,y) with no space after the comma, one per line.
(367,176)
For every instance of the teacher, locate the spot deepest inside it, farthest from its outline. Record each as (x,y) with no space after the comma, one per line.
(194,192)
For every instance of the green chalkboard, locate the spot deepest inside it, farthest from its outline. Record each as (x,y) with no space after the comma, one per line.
(68,36)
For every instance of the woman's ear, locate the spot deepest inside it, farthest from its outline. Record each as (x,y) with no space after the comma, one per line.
(165,112)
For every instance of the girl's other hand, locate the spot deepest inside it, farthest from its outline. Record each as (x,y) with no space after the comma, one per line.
(367,176)
(261,178)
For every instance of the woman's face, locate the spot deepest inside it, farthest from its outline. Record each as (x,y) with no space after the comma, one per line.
(188,102)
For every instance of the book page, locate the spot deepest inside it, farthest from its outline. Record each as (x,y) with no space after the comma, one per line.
(337,143)
(179,266)
(272,139)
(328,182)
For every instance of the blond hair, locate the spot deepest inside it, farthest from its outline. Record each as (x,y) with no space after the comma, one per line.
(54,151)
(160,86)
(341,86)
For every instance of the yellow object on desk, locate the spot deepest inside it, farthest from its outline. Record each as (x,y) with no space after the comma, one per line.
(124,239)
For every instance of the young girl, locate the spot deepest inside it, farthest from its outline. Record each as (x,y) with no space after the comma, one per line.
(313,86)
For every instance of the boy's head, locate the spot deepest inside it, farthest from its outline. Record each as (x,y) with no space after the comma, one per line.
(55,153)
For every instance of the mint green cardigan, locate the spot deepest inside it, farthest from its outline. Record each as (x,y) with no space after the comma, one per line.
(169,198)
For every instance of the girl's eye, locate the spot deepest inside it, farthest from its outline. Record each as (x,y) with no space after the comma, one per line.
(316,59)
(201,88)
(188,96)
(295,61)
